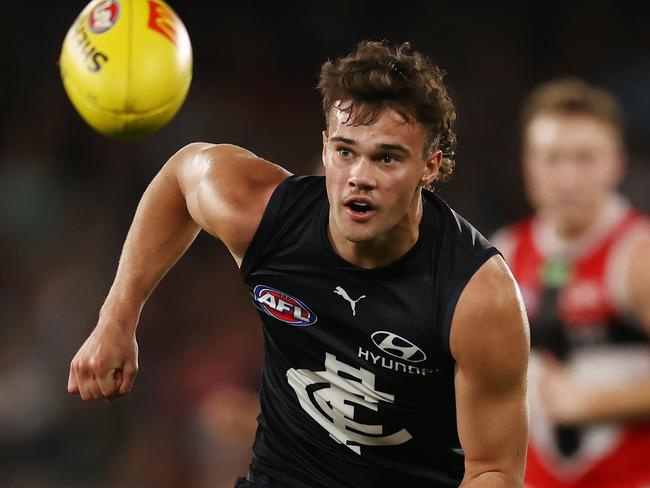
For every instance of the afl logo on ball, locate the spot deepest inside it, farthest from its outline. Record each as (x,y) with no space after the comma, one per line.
(104,16)
(283,307)
(398,346)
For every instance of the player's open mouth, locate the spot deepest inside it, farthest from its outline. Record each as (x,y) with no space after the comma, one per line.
(360,210)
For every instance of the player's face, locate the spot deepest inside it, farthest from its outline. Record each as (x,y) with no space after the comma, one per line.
(572,163)
(374,175)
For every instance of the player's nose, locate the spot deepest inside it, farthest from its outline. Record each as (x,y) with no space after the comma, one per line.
(361,174)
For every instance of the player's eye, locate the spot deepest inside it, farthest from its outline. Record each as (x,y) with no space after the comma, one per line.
(345,152)
(388,159)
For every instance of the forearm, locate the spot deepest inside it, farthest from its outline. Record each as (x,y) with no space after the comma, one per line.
(629,402)
(161,232)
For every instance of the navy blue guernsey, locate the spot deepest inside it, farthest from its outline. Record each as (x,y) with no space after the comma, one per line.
(358,382)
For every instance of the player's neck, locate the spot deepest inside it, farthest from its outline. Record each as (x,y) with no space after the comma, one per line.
(384,248)
(574,229)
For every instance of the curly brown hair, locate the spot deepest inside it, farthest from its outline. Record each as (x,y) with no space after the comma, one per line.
(376,76)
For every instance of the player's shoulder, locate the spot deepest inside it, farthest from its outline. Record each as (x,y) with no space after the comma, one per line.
(238,160)
(454,228)
(512,230)
(489,307)
(636,238)
(297,197)
(230,169)
(640,222)
(635,234)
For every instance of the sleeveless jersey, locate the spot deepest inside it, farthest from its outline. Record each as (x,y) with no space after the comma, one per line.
(575,315)
(358,382)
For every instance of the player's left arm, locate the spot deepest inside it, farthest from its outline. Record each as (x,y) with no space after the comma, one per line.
(490,342)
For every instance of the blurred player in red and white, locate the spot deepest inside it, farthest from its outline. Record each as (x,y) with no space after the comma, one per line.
(582,262)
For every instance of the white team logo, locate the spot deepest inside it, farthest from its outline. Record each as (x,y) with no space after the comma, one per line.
(104,16)
(345,296)
(397,346)
(330,399)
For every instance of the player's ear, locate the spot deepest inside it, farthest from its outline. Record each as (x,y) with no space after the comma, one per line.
(325,140)
(432,165)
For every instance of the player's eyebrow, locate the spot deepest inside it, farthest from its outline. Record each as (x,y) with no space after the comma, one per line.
(384,147)
(344,140)
(395,147)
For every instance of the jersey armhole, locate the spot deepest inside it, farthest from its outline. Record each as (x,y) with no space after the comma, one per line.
(457,286)
(262,234)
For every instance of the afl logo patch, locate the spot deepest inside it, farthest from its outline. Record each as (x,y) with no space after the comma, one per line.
(104,16)
(283,307)
(398,346)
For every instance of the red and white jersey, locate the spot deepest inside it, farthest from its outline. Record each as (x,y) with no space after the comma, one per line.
(576,297)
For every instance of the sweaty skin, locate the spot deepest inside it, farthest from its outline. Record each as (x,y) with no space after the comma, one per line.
(224,190)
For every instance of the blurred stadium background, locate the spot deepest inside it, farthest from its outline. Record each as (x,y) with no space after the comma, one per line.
(67,196)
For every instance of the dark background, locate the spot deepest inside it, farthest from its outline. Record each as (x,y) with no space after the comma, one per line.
(67,196)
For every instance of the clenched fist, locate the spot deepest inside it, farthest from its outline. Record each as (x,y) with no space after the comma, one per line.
(106,364)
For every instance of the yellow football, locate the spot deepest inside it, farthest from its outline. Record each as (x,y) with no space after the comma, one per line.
(126,66)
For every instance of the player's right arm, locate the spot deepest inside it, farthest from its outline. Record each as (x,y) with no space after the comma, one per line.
(221,189)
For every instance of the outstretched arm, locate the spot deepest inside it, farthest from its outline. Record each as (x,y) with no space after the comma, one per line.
(490,343)
(222,189)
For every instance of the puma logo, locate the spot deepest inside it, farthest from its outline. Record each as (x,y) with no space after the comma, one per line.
(346,297)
